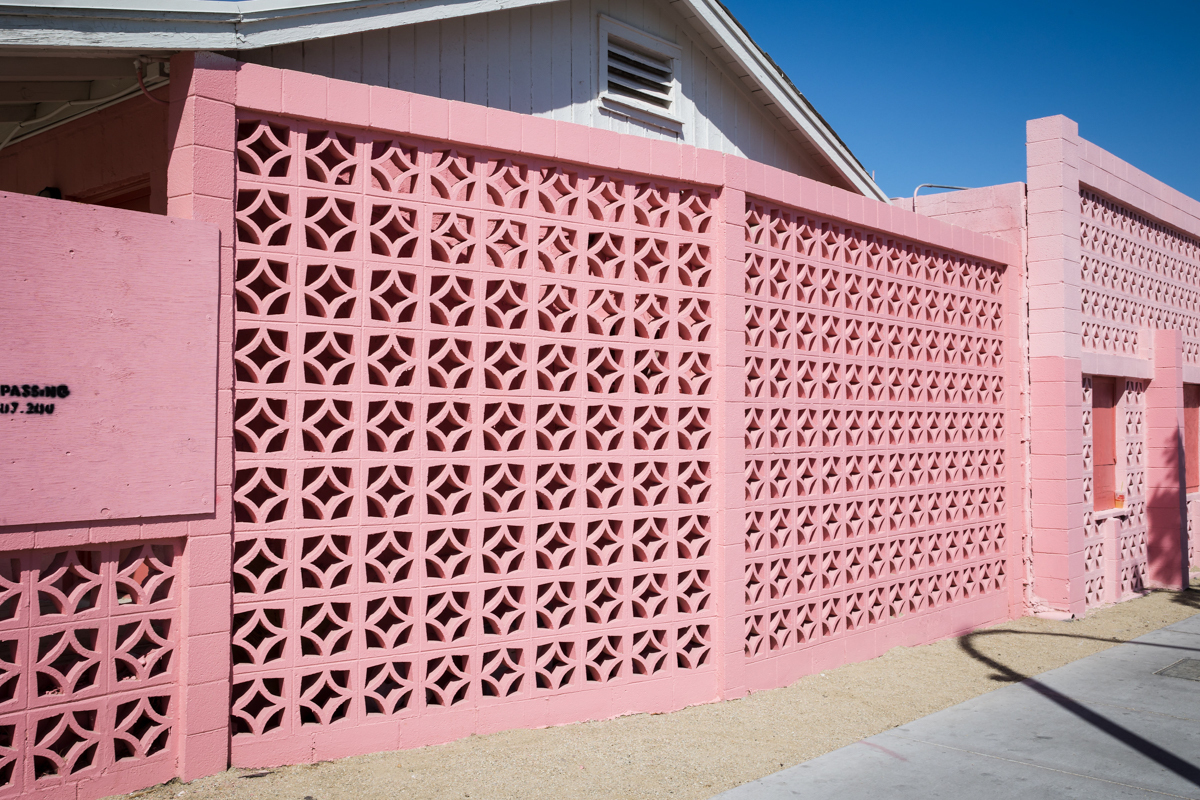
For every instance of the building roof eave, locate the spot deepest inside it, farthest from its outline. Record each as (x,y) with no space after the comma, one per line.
(159,25)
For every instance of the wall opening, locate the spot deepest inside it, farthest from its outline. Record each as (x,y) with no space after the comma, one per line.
(1104,443)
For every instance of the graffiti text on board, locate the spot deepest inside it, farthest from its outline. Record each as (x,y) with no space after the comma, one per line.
(33,390)
(30,390)
(30,408)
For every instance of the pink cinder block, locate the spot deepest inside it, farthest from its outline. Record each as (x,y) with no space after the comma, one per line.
(468,123)
(711,167)
(637,154)
(667,158)
(214,76)
(430,116)
(1055,127)
(207,708)
(208,609)
(349,102)
(756,179)
(734,173)
(209,557)
(604,148)
(204,754)
(305,95)
(538,135)
(390,109)
(260,88)
(571,142)
(115,532)
(212,172)
(504,129)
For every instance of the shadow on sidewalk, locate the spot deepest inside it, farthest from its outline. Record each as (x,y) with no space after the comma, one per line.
(1006,674)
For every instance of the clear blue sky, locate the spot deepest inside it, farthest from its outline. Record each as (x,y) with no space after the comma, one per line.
(939,92)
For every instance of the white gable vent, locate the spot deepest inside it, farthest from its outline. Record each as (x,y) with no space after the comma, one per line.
(638,73)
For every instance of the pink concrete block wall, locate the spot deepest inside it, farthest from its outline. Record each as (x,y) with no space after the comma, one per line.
(476,442)
(391,195)
(107,623)
(521,423)
(1000,211)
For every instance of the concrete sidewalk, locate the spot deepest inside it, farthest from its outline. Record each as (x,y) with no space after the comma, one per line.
(1105,726)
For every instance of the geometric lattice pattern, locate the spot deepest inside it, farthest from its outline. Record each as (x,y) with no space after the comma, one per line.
(874,425)
(1137,274)
(474,429)
(88,666)
(1131,534)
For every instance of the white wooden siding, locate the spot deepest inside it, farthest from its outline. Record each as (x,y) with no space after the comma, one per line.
(544,60)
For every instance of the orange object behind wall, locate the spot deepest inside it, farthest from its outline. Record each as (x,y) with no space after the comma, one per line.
(1104,443)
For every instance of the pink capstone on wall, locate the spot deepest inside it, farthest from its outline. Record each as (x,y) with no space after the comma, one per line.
(108,363)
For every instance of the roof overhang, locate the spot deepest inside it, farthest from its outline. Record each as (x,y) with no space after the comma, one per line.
(145,26)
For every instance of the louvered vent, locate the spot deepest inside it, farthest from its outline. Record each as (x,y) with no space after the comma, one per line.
(639,75)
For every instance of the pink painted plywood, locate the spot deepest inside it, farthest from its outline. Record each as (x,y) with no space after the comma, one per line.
(116,310)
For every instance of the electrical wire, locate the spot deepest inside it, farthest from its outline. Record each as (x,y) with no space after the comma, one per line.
(137,69)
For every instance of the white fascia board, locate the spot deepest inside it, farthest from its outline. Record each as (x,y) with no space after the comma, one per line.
(716,19)
(264,25)
(214,25)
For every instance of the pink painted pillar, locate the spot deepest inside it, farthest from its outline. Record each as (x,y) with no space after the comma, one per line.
(200,185)
(731,555)
(1055,338)
(1166,508)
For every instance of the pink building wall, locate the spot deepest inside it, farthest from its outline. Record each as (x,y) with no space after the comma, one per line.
(522,423)
(1113,267)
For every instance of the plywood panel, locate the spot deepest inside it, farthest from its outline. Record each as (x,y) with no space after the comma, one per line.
(116,310)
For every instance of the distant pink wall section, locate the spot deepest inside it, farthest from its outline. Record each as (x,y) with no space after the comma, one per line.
(1000,211)
(88,294)
(101,155)
(1114,265)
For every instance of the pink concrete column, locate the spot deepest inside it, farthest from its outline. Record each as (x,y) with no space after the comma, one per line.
(200,185)
(1166,509)
(731,555)
(1055,331)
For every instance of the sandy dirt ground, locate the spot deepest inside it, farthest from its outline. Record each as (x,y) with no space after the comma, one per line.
(700,751)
